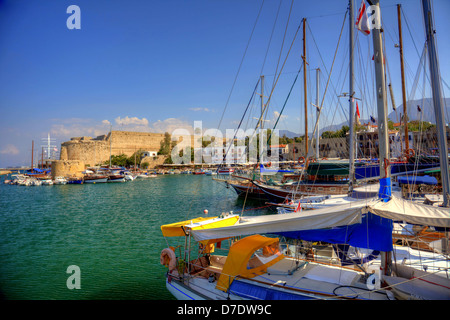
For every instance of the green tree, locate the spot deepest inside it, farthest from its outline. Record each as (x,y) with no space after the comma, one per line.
(166,145)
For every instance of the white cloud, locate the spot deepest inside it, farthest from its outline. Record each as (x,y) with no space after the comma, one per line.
(170,125)
(277,114)
(10,149)
(131,121)
(65,129)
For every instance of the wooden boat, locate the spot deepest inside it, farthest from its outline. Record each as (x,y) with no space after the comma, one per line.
(116,178)
(247,189)
(225,171)
(92,178)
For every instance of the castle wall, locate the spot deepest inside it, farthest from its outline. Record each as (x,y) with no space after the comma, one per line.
(67,168)
(95,151)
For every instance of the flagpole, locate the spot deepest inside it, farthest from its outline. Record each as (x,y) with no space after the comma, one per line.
(317,111)
(351,169)
(304,89)
(402,69)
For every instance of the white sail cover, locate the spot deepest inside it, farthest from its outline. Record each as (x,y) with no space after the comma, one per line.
(339,215)
(412,212)
(396,209)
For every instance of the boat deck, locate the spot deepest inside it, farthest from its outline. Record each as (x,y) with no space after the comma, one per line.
(298,278)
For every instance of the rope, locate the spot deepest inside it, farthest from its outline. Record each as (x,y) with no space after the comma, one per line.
(436,284)
(257,208)
(240,65)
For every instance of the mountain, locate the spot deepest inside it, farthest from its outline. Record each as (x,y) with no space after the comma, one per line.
(427,113)
(289,134)
(427,108)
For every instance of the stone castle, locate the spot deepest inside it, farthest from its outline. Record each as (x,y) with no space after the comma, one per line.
(93,151)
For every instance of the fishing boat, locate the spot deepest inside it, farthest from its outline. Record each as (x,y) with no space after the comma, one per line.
(60,180)
(141,175)
(225,171)
(75,180)
(246,188)
(47,181)
(95,178)
(116,177)
(210,173)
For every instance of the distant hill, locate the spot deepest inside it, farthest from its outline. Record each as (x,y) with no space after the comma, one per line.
(289,134)
(427,113)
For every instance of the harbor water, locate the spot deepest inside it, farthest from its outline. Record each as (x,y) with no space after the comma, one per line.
(111,231)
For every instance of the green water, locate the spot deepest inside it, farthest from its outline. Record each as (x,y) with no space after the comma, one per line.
(110,231)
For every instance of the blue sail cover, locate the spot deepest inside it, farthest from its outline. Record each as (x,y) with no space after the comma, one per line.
(262,169)
(373,232)
(417,180)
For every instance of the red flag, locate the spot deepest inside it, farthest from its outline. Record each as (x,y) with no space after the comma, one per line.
(357,110)
(299,207)
(362,23)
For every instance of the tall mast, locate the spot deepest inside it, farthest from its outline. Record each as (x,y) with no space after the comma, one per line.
(304,87)
(110,138)
(351,169)
(317,111)
(385,174)
(381,97)
(262,102)
(405,112)
(437,99)
(32,154)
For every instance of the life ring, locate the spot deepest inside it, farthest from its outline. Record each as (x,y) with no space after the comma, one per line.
(324,158)
(373,282)
(168,258)
(269,164)
(301,160)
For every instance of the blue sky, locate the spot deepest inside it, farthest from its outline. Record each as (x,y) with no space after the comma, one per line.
(159,65)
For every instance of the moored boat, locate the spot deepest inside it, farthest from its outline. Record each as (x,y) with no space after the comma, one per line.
(225,171)
(60,180)
(93,178)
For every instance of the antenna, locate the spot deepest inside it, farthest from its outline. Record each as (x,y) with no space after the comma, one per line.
(48,146)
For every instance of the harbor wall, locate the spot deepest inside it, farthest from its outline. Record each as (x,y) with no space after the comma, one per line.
(93,151)
(67,168)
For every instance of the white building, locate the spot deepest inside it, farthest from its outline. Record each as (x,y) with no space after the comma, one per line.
(149,154)
(215,155)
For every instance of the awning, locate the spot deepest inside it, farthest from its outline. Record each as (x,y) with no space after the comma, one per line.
(238,259)
(330,217)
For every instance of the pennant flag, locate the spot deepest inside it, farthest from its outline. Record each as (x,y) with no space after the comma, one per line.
(299,207)
(372,119)
(357,110)
(362,23)
(418,109)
